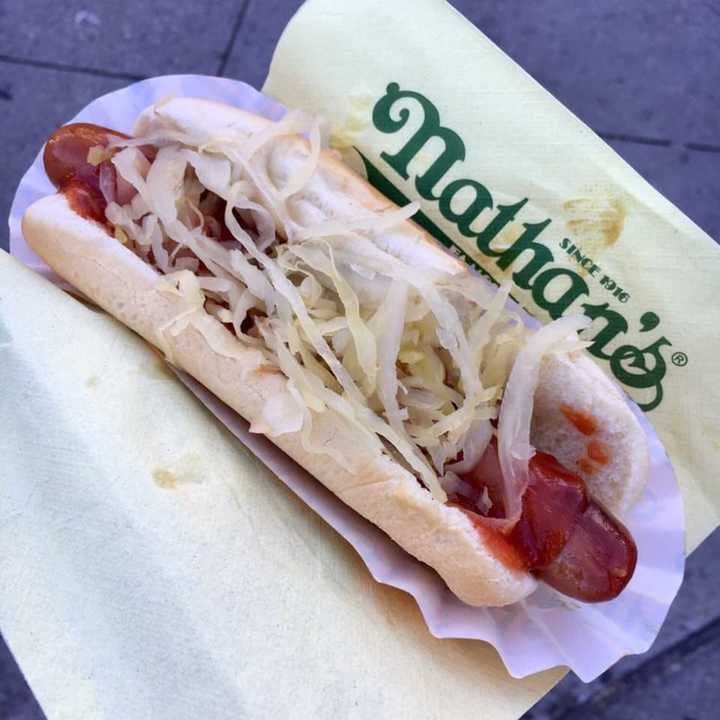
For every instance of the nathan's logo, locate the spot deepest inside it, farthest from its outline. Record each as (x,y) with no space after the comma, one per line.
(554,288)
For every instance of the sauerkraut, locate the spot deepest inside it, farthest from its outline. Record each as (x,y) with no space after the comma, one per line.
(424,362)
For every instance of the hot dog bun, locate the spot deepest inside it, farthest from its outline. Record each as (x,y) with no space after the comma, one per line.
(380,489)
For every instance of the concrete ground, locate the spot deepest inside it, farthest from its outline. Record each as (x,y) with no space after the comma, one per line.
(645,74)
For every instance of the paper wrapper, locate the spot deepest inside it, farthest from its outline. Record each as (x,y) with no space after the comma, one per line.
(153,569)
(475,136)
(542,632)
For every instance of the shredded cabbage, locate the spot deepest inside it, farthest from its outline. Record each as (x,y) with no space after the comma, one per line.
(476,442)
(514,448)
(371,222)
(415,361)
(283,413)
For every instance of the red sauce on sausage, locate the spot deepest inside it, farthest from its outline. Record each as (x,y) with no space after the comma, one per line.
(564,536)
(499,545)
(598,560)
(585,423)
(66,164)
(552,504)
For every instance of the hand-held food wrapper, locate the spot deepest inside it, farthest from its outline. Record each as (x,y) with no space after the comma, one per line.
(153,568)
(539,633)
(512,182)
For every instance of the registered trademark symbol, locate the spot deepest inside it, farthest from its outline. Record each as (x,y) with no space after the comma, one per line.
(680,359)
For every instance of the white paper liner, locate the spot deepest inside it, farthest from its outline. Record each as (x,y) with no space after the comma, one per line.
(545,630)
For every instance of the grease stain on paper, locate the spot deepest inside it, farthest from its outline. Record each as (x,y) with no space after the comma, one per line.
(186,469)
(166,479)
(595,223)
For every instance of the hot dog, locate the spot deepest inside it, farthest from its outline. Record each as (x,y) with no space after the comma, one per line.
(264,267)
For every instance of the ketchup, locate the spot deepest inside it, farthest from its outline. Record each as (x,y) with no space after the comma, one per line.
(66,165)
(564,536)
(583,421)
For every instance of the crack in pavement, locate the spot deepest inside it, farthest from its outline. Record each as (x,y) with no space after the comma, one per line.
(225,56)
(239,20)
(637,139)
(703,147)
(47,65)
